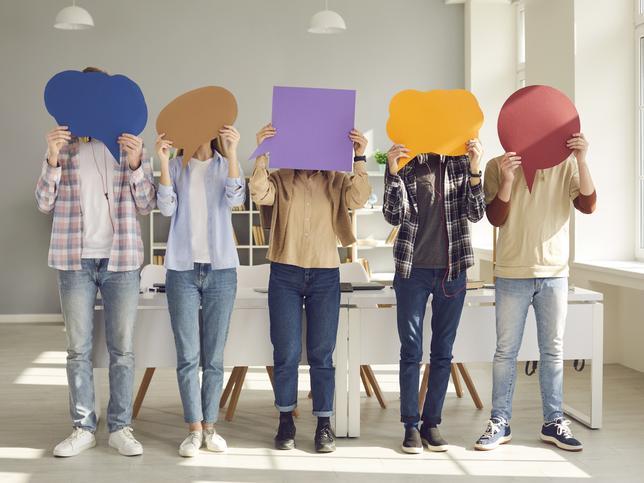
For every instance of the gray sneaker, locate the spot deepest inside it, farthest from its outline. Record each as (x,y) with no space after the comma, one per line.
(431,437)
(412,443)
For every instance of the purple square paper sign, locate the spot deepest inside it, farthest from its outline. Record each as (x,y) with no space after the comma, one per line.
(313,128)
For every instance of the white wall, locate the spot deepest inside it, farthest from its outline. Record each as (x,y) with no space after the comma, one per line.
(170,46)
(490,73)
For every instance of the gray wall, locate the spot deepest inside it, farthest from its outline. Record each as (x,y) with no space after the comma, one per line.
(169,47)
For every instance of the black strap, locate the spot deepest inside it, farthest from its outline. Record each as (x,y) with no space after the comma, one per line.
(579,364)
(528,370)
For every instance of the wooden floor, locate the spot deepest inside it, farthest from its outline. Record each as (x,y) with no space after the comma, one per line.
(34,417)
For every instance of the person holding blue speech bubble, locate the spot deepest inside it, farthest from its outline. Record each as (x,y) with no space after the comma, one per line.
(307,211)
(96,245)
(201,261)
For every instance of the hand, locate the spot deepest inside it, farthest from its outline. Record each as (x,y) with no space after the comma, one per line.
(475,152)
(265,132)
(56,139)
(508,165)
(396,152)
(133,147)
(163,147)
(579,146)
(229,137)
(359,142)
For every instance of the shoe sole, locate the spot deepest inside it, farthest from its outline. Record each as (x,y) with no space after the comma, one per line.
(437,449)
(75,453)
(123,453)
(559,444)
(216,450)
(325,449)
(188,455)
(489,447)
(411,449)
(285,446)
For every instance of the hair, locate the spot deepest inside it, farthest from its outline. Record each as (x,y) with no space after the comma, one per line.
(93,69)
(214,145)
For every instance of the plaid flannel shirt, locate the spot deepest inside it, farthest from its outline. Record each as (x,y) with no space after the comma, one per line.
(58,190)
(462,202)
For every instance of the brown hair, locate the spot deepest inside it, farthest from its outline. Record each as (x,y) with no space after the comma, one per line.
(93,69)
(214,145)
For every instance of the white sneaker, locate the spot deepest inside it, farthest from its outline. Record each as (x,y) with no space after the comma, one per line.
(190,446)
(76,443)
(124,442)
(214,442)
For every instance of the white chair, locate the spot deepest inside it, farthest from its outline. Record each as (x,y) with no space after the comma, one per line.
(254,276)
(355,272)
(150,274)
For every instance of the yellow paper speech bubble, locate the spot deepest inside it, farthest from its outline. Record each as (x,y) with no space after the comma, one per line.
(440,121)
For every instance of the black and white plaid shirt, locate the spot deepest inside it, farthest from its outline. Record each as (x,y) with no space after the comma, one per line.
(462,202)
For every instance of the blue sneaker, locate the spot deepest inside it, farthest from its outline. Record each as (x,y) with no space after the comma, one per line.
(497,433)
(558,432)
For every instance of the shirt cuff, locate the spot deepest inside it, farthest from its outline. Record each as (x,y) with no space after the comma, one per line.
(165,190)
(52,173)
(476,189)
(234,182)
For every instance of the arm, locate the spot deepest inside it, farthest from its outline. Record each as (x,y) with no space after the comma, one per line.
(166,195)
(475,201)
(499,177)
(142,186)
(357,189)
(262,188)
(393,203)
(235,182)
(47,185)
(583,190)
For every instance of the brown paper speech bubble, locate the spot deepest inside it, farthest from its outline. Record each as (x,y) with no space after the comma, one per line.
(196,117)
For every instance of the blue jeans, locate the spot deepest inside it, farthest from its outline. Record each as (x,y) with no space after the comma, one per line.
(318,289)
(120,294)
(447,304)
(201,340)
(549,298)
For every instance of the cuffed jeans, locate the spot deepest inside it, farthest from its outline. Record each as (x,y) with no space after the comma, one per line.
(120,294)
(549,298)
(447,304)
(201,340)
(318,289)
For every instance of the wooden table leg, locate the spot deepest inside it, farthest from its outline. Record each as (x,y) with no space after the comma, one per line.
(457,381)
(365,382)
(423,388)
(470,385)
(375,386)
(232,379)
(234,398)
(143,389)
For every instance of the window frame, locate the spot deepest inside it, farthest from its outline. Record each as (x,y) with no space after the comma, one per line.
(520,44)
(639,122)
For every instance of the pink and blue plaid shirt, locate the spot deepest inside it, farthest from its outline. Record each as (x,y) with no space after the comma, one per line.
(58,190)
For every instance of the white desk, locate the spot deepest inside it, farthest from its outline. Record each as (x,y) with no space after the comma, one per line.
(248,344)
(373,339)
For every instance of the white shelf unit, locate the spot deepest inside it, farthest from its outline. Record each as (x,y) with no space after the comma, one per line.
(368,224)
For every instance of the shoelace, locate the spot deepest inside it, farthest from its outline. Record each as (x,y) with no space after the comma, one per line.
(491,430)
(127,432)
(195,437)
(325,432)
(563,428)
(76,433)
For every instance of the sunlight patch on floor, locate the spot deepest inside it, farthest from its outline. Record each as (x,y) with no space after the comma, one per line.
(6,477)
(51,357)
(21,453)
(43,376)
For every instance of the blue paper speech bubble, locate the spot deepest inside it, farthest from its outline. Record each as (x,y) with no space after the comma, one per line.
(98,105)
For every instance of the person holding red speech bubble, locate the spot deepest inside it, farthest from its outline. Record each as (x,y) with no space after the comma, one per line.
(201,261)
(433,198)
(532,269)
(96,245)
(308,212)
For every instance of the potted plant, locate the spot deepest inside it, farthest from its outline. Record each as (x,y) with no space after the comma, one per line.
(381,159)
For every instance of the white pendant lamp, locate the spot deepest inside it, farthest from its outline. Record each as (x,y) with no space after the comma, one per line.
(73,18)
(327,22)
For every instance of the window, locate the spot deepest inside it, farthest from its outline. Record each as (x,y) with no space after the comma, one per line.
(520,41)
(639,96)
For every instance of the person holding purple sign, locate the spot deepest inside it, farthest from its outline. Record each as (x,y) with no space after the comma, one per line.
(307,211)
(433,198)
(96,245)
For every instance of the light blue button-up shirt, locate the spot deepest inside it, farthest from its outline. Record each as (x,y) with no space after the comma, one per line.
(222,193)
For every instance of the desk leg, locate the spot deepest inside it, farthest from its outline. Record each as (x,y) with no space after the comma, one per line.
(594,420)
(340,413)
(354,372)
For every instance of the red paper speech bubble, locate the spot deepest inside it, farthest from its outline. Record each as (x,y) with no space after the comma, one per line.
(535,122)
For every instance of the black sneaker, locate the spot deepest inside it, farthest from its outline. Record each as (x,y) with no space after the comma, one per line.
(285,437)
(497,433)
(431,437)
(558,432)
(324,439)
(412,443)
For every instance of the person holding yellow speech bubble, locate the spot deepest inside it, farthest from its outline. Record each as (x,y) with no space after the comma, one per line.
(433,198)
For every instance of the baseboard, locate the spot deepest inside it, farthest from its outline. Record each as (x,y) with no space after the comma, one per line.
(30,318)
